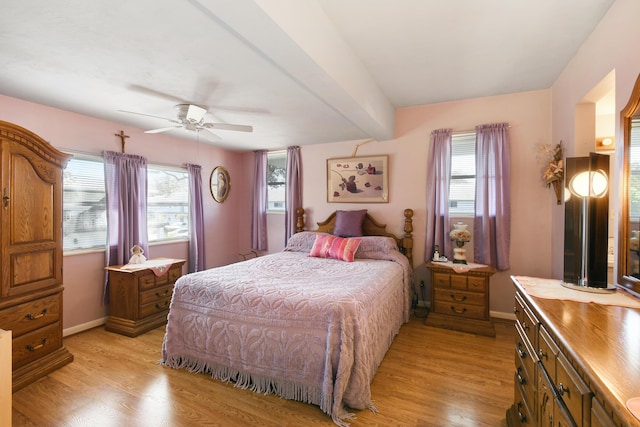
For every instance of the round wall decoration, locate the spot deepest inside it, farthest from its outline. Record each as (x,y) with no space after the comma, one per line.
(220,184)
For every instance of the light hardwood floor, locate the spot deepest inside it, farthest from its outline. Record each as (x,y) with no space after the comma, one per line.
(429,377)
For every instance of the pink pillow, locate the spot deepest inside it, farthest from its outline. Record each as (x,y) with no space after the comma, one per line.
(328,246)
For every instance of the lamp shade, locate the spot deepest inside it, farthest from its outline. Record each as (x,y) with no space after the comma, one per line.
(589,184)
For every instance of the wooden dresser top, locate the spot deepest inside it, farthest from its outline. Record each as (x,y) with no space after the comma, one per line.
(601,341)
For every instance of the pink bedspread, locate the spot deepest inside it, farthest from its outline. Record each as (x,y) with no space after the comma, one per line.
(308,329)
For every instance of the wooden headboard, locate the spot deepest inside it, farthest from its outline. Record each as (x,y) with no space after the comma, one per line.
(370,227)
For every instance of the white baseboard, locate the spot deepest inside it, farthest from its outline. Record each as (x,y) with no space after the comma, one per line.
(84,327)
(502,315)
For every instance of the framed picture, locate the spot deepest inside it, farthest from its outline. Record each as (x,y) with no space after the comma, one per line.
(220,184)
(358,179)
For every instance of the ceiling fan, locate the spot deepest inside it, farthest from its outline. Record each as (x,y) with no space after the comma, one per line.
(191,117)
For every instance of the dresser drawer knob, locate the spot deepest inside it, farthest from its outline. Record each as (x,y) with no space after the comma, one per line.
(520,351)
(522,380)
(36,316)
(464,310)
(453,297)
(515,310)
(37,347)
(562,389)
(163,305)
(542,354)
(163,294)
(523,417)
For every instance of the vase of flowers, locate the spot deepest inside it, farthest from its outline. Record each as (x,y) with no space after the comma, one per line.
(460,235)
(553,170)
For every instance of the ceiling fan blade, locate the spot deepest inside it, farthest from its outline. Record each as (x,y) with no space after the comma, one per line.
(195,113)
(149,115)
(228,126)
(215,136)
(163,129)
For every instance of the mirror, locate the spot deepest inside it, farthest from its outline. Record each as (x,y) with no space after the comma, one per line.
(629,249)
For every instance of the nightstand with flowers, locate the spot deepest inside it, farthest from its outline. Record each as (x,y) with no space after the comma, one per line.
(460,290)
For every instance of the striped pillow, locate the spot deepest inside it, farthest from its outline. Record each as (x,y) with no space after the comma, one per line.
(328,246)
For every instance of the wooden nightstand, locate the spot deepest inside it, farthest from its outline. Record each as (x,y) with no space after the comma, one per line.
(139,298)
(460,301)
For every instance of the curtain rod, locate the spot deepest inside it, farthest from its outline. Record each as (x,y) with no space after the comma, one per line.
(462,132)
(88,153)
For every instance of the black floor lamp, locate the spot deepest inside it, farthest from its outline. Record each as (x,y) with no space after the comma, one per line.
(586,223)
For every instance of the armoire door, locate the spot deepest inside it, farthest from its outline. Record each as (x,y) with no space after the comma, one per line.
(31,220)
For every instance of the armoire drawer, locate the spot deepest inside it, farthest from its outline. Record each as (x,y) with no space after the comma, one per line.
(29,316)
(36,344)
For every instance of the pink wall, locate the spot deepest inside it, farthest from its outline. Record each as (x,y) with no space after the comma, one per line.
(83,273)
(532,203)
(613,46)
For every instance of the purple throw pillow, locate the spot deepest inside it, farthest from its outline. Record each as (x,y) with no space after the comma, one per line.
(349,223)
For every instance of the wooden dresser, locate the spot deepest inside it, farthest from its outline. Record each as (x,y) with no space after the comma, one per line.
(31,253)
(577,363)
(460,301)
(139,297)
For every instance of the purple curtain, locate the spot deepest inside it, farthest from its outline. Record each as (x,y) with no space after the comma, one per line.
(438,178)
(126,192)
(196,219)
(293,192)
(259,206)
(492,222)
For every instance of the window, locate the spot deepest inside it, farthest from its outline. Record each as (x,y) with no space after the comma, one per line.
(167,203)
(462,188)
(276,178)
(85,211)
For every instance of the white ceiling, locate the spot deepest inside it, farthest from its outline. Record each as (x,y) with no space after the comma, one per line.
(299,71)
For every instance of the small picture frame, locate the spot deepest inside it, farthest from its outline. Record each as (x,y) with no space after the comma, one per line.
(358,180)
(220,184)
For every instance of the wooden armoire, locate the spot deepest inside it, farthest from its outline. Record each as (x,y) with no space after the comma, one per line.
(31,252)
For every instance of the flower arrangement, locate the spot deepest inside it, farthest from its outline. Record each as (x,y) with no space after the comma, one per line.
(553,164)
(553,171)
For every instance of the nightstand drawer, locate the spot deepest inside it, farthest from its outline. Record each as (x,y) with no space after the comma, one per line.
(461,310)
(155,307)
(458,282)
(441,280)
(477,284)
(155,295)
(459,297)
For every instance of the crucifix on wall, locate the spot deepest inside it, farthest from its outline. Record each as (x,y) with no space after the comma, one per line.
(122,138)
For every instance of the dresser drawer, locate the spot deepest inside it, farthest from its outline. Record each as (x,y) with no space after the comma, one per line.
(36,344)
(31,315)
(526,380)
(155,295)
(573,391)
(529,325)
(459,297)
(547,350)
(521,404)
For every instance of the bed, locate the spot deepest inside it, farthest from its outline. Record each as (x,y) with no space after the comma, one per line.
(302,323)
